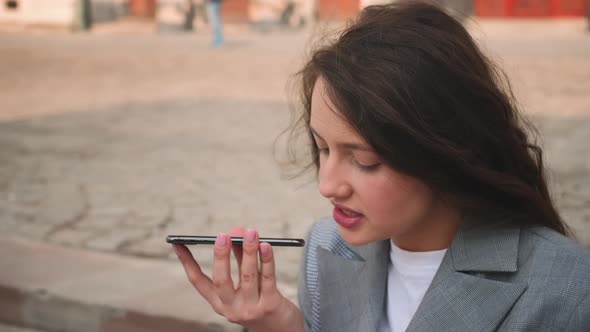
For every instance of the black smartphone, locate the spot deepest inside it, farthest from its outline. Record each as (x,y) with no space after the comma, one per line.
(275,242)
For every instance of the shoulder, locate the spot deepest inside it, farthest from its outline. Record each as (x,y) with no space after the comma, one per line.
(547,250)
(559,261)
(555,269)
(555,261)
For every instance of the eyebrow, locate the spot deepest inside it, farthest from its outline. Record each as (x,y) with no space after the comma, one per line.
(345,145)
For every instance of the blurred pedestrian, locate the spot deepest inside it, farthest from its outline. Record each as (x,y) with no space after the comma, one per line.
(214,13)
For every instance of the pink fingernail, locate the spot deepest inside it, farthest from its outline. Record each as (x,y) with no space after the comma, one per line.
(265,250)
(250,236)
(221,240)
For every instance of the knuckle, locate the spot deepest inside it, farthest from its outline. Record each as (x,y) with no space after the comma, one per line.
(248,277)
(268,277)
(233,318)
(218,310)
(192,278)
(251,315)
(220,283)
(267,311)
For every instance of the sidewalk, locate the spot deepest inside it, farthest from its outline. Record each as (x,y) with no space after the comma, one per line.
(59,289)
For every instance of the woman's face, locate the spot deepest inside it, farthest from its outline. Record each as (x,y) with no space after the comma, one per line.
(371,201)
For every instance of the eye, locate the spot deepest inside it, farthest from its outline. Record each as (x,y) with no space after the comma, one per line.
(323,150)
(363,167)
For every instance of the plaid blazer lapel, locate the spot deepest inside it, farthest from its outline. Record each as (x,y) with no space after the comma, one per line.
(352,289)
(460,297)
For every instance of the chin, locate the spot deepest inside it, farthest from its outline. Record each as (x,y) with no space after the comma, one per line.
(354,238)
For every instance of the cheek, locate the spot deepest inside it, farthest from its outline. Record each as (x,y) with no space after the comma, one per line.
(404,198)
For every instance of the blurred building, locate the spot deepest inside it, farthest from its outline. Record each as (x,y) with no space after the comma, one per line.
(37,12)
(481,8)
(81,13)
(531,8)
(60,13)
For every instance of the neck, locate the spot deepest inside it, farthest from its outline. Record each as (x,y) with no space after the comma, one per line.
(435,232)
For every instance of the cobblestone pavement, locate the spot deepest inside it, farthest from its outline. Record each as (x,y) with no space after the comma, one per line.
(111,141)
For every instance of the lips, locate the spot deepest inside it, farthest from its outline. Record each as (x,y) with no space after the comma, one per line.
(345,217)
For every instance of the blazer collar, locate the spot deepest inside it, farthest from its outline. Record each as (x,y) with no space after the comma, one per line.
(485,247)
(464,295)
(460,297)
(352,290)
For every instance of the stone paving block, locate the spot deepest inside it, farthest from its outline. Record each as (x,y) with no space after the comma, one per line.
(50,312)
(67,204)
(152,246)
(9,328)
(95,220)
(72,237)
(117,239)
(32,230)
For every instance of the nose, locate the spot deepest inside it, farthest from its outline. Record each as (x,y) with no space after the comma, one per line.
(332,180)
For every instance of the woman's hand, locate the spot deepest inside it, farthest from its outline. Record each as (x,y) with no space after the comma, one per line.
(256,302)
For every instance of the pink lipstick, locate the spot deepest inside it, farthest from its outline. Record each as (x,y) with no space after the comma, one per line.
(346,218)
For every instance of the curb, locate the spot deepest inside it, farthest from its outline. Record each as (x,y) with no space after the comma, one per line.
(42,310)
(53,288)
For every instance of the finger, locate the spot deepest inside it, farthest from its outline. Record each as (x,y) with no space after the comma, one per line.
(237,232)
(198,279)
(249,270)
(222,282)
(268,282)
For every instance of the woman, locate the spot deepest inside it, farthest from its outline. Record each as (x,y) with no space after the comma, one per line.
(442,218)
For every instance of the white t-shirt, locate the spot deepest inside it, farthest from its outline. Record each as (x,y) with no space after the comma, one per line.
(408,278)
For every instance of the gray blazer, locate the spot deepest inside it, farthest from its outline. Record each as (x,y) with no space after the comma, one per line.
(492,278)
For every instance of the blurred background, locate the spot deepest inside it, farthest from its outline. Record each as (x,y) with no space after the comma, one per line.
(123,121)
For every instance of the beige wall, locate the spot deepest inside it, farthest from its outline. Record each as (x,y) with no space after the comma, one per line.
(365,3)
(40,12)
(270,10)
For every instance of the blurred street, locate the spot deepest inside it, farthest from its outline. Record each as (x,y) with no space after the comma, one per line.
(113,139)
